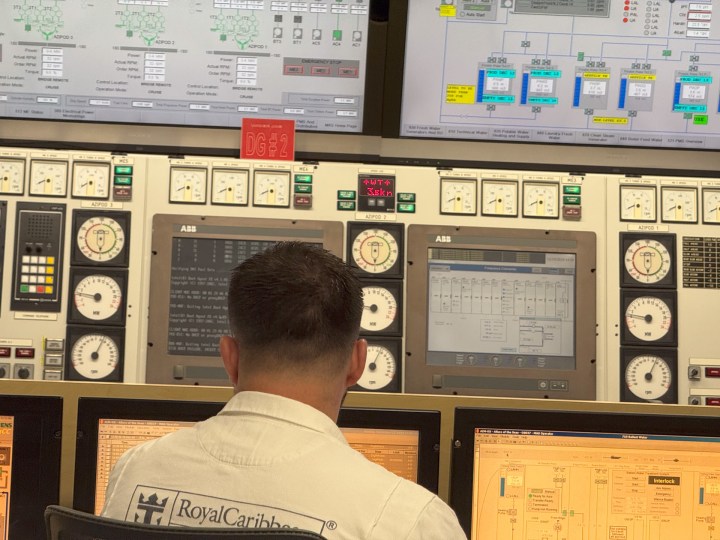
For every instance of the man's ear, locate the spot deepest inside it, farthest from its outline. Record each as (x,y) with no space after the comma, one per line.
(230,355)
(357,363)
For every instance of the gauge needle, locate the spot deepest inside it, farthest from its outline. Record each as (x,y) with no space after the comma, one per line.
(373,364)
(97,296)
(648,375)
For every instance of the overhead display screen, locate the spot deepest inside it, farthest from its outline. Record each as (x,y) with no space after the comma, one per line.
(185,62)
(641,73)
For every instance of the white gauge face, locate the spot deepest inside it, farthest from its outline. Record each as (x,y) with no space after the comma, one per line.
(711,205)
(458,196)
(499,198)
(98,297)
(648,377)
(647,261)
(679,205)
(271,189)
(48,178)
(188,185)
(540,200)
(648,318)
(375,251)
(379,309)
(379,368)
(12,176)
(95,356)
(91,180)
(638,203)
(100,239)
(230,186)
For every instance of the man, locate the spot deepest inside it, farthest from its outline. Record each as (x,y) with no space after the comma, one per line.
(274,456)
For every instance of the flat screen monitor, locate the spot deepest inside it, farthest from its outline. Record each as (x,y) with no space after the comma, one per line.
(503,312)
(30,447)
(190,270)
(199,64)
(574,73)
(403,441)
(530,474)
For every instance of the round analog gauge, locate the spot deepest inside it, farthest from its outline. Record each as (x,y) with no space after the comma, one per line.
(229,186)
(458,196)
(499,198)
(540,199)
(375,251)
(100,239)
(711,205)
(188,185)
(12,176)
(379,310)
(648,318)
(91,180)
(94,356)
(379,368)
(679,205)
(48,178)
(271,189)
(98,297)
(648,377)
(647,261)
(637,203)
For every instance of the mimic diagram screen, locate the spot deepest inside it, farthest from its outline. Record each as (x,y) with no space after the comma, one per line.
(6,450)
(501,308)
(185,62)
(537,485)
(595,72)
(395,449)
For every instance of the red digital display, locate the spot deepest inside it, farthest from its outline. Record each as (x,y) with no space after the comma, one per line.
(376,193)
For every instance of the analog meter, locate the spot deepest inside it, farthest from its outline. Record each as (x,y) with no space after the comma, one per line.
(458,196)
(650,376)
(91,180)
(500,198)
(188,185)
(679,205)
(271,188)
(711,206)
(12,176)
(541,200)
(48,178)
(638,203)
(230,186)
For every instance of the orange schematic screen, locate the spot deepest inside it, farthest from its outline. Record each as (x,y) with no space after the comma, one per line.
(6,450)
(541,485)
(395,449)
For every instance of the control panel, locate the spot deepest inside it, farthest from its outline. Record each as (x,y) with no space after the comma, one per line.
(113,267)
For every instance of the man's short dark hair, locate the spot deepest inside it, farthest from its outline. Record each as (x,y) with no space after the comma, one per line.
(294,305)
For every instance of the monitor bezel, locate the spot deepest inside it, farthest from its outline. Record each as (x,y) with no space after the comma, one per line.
(426,423)
(213,140)
(90,410)
(35,481)
(161,366)
(423,378)
(467,419)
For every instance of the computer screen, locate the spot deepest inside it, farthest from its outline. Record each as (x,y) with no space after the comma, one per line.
(505,312)
(530,474)
(189,276)
(585,73)
(402,441)
(207,64)
(30,440)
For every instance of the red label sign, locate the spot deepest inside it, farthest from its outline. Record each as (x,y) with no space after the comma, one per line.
(267,139)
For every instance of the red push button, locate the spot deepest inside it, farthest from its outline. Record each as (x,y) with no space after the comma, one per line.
(712,401)
(712,372)
(24,352)
(4,352)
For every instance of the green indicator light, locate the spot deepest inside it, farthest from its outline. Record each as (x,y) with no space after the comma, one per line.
(25,288)
(122,180)
(700,120)
(303,188)
(346,205)
(408,208)
(346,195)
(303,178)
(571,199)
(571,190)
(123,169)
(581,56)
(406,197)
(667,52)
